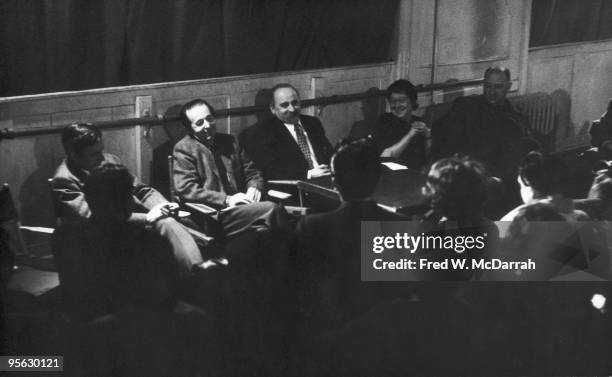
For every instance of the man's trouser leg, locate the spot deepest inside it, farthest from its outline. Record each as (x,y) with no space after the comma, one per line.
(185,250)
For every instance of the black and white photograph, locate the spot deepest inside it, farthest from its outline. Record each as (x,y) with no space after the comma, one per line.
(305,188)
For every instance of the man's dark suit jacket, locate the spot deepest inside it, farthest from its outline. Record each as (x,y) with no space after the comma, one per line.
(275,153)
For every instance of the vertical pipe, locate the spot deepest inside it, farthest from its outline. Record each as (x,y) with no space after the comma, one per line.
(434,53)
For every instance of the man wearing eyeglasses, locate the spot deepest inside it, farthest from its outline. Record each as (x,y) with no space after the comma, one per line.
(289,146)
(487,128)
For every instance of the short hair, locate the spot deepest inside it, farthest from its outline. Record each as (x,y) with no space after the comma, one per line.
(188,106)
(544,173)
(497,69)
(78,136)
(356,168)
(405,87)
(456,187)
(109,189)
(283,85)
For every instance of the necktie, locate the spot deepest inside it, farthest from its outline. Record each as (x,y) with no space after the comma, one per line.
(303,144)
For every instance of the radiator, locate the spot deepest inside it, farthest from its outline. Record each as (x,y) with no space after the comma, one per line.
(542,111)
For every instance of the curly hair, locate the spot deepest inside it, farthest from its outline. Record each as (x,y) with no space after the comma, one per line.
(457,187)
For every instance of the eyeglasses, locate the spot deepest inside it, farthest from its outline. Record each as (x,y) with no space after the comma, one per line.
(208,118)
(400,101)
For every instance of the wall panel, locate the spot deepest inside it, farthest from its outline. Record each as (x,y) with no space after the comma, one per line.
(579,74)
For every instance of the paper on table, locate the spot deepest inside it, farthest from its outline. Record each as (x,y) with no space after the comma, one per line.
(394,166)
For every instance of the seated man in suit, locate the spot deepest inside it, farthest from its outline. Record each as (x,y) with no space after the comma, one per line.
(84,152)
(289,146)
(208,170)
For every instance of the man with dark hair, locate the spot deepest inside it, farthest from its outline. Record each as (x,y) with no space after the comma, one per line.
(489,129)
(108,263)
(120,285)
(399,134)
(541,179)
(84,152)
(208,170)
(289,146)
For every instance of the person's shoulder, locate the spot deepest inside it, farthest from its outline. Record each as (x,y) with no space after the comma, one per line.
(263,125)
(113,159)
(262,130)
(62,172)
(510,216)
(469,101)
(186,142)
(311,121)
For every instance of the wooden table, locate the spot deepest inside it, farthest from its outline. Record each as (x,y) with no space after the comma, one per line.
(397,190)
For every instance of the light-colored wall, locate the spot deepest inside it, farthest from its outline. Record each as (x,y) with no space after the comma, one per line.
(472,35)
(581,75)
(27,162)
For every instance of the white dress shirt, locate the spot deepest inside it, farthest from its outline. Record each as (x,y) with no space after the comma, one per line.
(291,130)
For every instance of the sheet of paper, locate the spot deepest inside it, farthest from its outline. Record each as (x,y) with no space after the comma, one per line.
(394,166)
(38,229)
(278,194)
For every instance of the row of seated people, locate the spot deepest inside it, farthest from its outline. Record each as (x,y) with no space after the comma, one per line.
(211,169)
(110,262)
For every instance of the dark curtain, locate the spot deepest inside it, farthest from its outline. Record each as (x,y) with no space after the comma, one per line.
(565,21)
(57,45)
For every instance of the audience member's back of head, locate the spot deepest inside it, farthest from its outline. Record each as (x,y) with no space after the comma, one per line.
(456,188)
(543,173)
(78,136)
(356,168)
(541,232)
(108,191)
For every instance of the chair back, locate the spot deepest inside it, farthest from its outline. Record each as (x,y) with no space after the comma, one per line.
(12,243)
(171,189)
(59,220)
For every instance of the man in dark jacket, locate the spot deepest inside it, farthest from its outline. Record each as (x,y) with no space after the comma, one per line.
(488,129)
(289,146)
